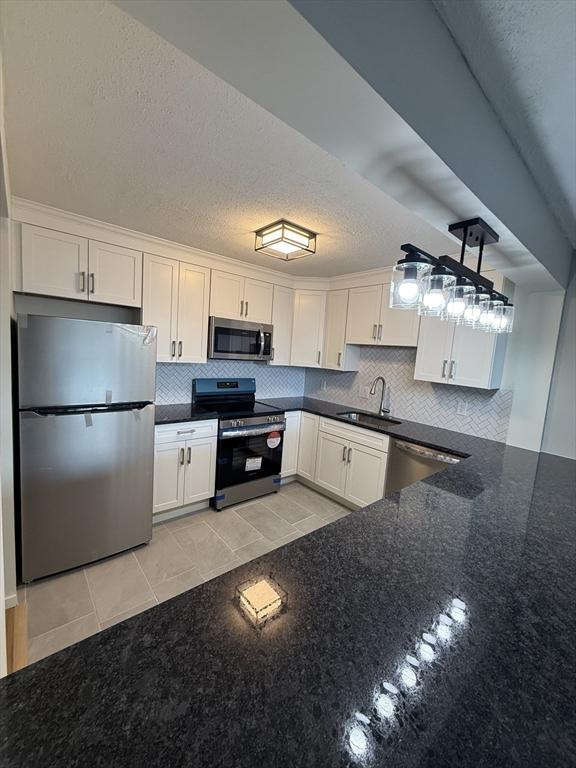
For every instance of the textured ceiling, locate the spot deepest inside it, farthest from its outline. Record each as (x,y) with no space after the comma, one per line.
(106,119)
(523,54)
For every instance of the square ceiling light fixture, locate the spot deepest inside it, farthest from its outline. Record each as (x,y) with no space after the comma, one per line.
(285,240)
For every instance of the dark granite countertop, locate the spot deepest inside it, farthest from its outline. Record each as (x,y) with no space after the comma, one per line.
(190,683)
(175,414)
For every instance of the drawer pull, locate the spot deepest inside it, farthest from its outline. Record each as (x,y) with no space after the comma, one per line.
(185,431)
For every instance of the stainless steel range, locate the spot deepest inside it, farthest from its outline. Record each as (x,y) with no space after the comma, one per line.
(250,439)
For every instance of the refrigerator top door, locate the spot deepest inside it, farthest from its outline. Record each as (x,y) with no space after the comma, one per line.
(64,362)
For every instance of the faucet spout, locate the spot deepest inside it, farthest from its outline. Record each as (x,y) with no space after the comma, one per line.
(382,410)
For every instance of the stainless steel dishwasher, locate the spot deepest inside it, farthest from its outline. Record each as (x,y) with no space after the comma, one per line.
(409,462)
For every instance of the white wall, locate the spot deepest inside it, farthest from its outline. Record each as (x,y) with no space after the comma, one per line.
(560,427)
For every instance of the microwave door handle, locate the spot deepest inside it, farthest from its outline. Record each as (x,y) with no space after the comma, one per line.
(261,353)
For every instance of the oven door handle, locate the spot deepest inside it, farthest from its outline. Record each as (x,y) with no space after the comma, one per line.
(248,432)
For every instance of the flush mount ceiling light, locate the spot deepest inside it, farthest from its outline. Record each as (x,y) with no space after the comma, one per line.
(446,288)
(285,240)
(260,600)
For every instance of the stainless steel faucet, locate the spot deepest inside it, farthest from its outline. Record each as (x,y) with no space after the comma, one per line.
(382,410)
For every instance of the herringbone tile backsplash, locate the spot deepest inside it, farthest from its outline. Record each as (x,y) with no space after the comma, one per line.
(174,380)
(488,412)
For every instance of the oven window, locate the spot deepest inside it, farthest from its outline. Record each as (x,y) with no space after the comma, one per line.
(236,341)
(242,459)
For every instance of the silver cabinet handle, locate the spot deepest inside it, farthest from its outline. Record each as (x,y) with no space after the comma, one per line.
(349,455)
(444,364)
(185,431)
(92,282)
(246,309)
(374,329)
(318,357)
(241,307)
(82,282)
(173,349)
(339,359)
(344,453)
(272,354)
(179,349)
(189,454)
(379,332)
(452,369)
(181,455)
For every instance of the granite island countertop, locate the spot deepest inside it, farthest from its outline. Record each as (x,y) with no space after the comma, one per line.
(190,683)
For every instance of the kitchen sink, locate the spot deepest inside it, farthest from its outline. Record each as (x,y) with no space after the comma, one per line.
(369,419)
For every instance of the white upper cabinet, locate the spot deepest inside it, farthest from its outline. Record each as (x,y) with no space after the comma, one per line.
(226,295)
(54,263)
(115,274)
(371,321)
(258,301)
(160,303)
(176,302)
(397,327)
(460,355)
(282,318)
(240,298)
(363,314)
(308,328)
(193,298)
(337,356)
(58,264)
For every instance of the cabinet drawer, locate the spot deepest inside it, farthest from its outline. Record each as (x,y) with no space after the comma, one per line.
(349,432)
(188,430)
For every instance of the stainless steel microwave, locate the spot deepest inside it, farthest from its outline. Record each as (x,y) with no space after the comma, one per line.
(239,340)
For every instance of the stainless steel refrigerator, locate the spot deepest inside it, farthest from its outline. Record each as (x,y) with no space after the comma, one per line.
(86,440)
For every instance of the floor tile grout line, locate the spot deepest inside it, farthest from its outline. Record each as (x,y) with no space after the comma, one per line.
(116,615)
(261,535)
(150,587)
(66,624)
(85,572)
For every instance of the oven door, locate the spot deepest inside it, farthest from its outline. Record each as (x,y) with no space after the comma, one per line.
(249,453)
(239,340)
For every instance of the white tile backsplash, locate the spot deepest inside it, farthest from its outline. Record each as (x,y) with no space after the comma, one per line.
(473,411)
(174,380)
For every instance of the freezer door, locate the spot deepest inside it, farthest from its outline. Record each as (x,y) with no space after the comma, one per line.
(84,362)
(86,486)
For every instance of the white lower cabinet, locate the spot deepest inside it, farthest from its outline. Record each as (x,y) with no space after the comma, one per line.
(351,462)
(290,447)
(184,464)
(307,444)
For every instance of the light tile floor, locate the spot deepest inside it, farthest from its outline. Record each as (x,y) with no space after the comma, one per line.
(183,553)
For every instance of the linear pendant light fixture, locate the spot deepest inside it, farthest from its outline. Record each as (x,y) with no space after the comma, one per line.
(444,287)
(285,240)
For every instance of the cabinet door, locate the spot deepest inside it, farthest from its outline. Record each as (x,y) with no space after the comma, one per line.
(397,327)
(53,263)
(115,274)
(366,474)
(258,301)
(200,475)
(282,318)
(193,298)
(434,349)
(307,445)
(363,314)
(290,446)
(169,470)
(226,293)
(473,355)
(308,328)
(335,329)
(331,463)
(160,303)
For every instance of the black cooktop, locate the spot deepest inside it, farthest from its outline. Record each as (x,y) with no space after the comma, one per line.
(243,410)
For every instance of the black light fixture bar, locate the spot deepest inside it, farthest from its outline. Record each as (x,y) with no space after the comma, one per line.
(458,269)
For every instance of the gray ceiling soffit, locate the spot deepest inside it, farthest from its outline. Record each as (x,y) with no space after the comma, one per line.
(408,55)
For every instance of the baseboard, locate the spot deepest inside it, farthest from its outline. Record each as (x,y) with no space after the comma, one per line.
(17,637)
(170,514)
(10,601)
(328,494)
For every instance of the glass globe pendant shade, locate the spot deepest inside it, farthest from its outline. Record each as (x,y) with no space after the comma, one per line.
(475,303)
(488,317)
(456,301)
(504,320)
(406,286)
(436,293)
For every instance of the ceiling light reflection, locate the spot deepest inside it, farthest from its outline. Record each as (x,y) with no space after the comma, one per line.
(358,740)
(426,651)
(408,676)
(458,614)
(457,603)
(443,632)
(384,706)
(390,688)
